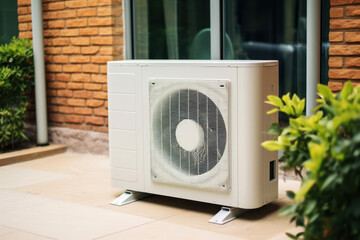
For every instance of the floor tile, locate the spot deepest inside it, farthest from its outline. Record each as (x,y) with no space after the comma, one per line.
(12,176)
(156,207)
(19,235)
(46,197)
(5,230)
(62,220)
(165,231)
(92,187)
(69,163)
(12,201)
(246,225)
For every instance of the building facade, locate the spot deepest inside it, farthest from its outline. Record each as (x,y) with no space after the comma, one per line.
(81,36)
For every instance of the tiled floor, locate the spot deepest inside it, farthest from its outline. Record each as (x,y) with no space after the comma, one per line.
(66,197)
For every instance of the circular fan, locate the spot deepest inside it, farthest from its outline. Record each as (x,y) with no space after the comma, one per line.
(189,131)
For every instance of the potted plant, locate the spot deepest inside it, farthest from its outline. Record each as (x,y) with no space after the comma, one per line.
(327,145)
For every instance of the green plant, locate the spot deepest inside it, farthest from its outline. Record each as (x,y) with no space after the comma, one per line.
(327,145)
(16,81)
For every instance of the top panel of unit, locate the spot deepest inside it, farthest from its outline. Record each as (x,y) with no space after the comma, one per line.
(194,63)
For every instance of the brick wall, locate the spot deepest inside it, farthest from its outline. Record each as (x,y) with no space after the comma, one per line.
(79,38)
(344,36)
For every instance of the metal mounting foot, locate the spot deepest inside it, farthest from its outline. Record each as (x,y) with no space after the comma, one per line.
(129,197)
(226,214)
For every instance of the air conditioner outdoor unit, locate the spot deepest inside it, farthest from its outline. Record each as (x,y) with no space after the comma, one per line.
(192,129)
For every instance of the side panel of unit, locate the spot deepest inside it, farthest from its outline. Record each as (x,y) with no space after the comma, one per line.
(125,127)
(257,186)
(250,110)
(271,87)
(192,73)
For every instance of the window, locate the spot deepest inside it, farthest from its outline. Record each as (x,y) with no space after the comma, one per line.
(325,44)
(276,29)
(167,29)
(8,21)
(251,29)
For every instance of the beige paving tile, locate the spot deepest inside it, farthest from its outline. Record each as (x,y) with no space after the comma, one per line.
(160,207)
(12,201)
(89,188)
(69,163)
(49,196)
(19,235)
(246,226)
(156,207)
(164,231)
(94,189)
(14,176)
(5,230)
(62,220)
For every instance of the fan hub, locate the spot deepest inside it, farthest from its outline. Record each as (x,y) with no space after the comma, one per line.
(190,135)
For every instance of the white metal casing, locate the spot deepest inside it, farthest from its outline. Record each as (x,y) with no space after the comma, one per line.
(129,134)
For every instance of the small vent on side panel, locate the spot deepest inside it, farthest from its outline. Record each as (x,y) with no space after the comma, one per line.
(272,172)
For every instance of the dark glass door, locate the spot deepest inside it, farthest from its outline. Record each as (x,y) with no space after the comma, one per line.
(171,29)
(270,29)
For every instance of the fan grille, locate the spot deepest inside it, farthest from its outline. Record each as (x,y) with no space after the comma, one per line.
(188,104)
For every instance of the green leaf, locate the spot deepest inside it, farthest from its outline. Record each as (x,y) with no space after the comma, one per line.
(325,92)
(290,194)
(299,234)
(300,107)
(291,236)
(288,210)
(309,207)
(305,188)
(274,129)
(314,218)
(299,220)
(284,141)
(286,98)
(276,101)
(347,90)
(274,110)
(295,99)
(329,180)
(272,145)
(289,110)
(356,138)
(317,153)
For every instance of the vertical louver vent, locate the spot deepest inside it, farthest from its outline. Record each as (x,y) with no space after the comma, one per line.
(186,154)
(188,134)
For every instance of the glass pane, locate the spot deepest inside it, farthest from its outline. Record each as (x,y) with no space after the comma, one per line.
(325,44)
(171,29)
(8,21)
(269,29)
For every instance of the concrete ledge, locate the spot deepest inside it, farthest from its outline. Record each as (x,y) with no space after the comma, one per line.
(81,141)
(31,153)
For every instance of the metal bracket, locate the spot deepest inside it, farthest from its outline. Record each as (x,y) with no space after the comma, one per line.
(226,214)
(129,197)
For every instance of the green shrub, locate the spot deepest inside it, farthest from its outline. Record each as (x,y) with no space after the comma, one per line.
(327,145)
(16,81)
